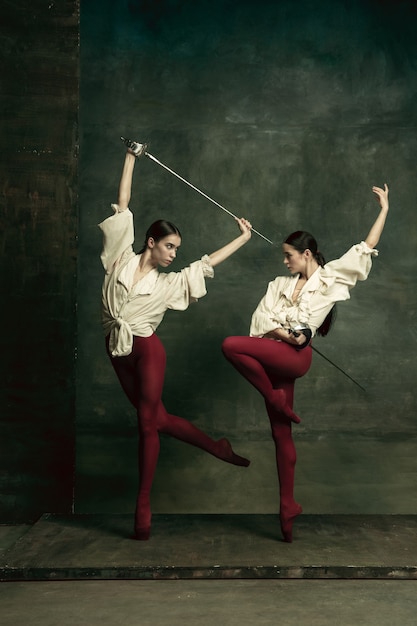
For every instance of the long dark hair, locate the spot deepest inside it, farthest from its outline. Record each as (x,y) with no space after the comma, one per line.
(301,240)
(158,230)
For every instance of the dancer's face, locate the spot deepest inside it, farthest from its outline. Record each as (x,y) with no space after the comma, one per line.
(164,251)
(294,261)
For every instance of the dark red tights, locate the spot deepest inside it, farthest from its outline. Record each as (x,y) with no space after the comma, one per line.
(272,367)
(141,375)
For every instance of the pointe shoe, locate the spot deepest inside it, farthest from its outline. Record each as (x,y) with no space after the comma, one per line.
(225,452)
(278,401)
(134,147)
(142,534)
(143,519)
(287,520)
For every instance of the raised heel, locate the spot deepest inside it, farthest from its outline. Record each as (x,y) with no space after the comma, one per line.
(287,518)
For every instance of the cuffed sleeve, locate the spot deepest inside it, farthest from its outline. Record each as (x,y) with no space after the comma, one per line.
(354,265)
(189,284)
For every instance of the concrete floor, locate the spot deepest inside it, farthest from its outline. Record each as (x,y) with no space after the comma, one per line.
(210,602)
(210,570)
(75,547)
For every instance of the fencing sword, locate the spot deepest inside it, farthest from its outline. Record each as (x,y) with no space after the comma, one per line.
(305,330)
(143,151)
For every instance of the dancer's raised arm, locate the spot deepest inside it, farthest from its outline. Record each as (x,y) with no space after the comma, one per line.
(125,185)
(375,233)
(230,248)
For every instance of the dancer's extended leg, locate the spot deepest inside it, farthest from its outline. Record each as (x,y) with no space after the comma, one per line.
(168,423)
(259,360)
(141,375)
(183,430)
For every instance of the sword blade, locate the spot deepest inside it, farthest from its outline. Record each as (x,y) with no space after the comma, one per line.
(338,368)
(150,156)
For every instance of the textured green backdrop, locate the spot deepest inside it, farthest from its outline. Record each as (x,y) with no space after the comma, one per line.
(287,113)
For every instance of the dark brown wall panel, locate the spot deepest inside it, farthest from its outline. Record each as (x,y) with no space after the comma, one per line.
(38,220)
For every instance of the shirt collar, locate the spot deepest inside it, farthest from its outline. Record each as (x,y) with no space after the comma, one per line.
(145,285)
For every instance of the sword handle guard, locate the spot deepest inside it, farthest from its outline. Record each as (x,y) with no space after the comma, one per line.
(306,331)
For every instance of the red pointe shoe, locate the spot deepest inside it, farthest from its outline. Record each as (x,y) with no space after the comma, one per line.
(287,517)
(142,534)
(143,517)
(225,452)
(279,402)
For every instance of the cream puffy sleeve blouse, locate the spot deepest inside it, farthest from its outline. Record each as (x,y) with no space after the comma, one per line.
(328,285)
(128,309)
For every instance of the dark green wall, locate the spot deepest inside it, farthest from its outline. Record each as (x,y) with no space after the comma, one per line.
(38,224)
(287,113)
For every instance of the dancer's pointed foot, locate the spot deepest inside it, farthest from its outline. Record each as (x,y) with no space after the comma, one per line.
(142,534)
(143,517)
(279,401)
(287,516)
(225,452)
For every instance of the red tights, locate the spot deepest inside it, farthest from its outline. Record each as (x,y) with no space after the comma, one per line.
(141,375)
(272,367)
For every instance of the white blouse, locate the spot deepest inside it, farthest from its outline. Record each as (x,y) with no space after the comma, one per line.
(137,309)
(328,285)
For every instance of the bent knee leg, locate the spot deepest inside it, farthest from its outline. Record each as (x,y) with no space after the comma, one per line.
(230,346)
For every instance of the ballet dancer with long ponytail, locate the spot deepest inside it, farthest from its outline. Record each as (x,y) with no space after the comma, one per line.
(278,348)
(135,297)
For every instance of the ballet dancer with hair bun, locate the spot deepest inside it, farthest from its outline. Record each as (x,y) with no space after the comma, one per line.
(278,348)
(135,297)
